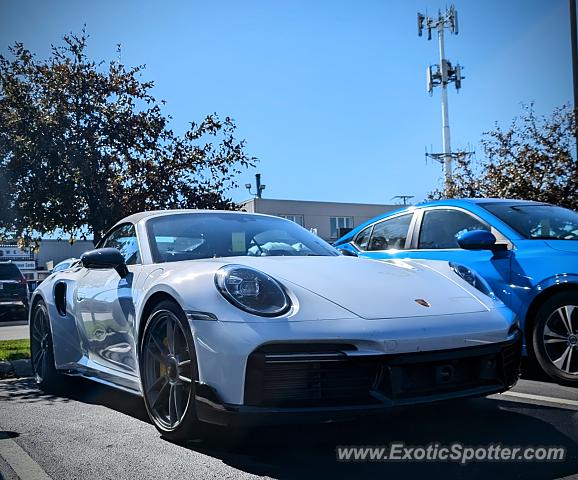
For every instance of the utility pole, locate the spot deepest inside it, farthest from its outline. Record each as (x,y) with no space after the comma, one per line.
(574,66)
(440,76)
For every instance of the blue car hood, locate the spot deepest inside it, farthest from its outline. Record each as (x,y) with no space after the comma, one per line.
(570,246)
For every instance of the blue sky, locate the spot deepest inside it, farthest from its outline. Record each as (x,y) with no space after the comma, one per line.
(330,95)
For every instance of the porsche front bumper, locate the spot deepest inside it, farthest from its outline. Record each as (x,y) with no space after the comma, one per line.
(224,349)
(303,387)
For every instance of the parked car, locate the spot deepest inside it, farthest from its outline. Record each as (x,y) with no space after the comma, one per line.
(527,251)
(235,318)
(13,292)
(64,265)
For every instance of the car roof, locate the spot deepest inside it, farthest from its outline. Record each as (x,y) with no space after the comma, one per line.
(455,202)
(478,201)
(9,262)
(137,217)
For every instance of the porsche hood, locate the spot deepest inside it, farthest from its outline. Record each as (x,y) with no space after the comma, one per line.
(371,289)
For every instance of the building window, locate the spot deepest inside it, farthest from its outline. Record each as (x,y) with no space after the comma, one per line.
(337,223)
(298,219)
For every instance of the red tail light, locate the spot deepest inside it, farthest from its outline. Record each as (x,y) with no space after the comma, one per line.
(23,281)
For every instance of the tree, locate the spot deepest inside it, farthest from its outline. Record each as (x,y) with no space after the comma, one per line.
(83,144)
(531,160)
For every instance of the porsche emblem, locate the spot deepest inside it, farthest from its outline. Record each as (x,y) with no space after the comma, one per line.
(422,302)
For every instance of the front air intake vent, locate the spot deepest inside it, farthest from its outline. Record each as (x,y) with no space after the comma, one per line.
(60,298)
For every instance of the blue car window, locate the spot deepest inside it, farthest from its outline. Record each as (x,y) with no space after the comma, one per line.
(390,234)
(544,222)
(441,228)
(362,239)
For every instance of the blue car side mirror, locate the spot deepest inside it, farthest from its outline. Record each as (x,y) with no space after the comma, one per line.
(478,240)
(347,252)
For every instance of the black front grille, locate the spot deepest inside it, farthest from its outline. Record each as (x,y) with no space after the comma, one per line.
(286,375)
(307,375)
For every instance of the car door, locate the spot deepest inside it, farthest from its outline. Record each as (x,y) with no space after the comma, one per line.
(105,308)
(435,238)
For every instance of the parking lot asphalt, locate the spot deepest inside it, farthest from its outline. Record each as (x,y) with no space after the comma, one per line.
(14,330)
(96,432)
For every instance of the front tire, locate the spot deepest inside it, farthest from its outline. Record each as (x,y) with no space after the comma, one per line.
(168,370)
(555,337)
(42,350)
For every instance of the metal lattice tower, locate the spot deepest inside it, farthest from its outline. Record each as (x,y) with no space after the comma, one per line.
(440,75)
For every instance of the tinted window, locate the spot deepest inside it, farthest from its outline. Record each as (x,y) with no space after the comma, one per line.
(362,239)
(441,228)
(390,234)
(538,221)
(9,271)
(211,235)
(124,240)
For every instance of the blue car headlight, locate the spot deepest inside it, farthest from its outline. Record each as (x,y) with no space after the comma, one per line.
(473,278)
(252,291)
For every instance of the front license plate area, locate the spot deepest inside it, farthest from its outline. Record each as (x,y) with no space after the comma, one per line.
(422,379)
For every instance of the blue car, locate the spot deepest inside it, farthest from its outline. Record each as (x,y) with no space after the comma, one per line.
(525,253)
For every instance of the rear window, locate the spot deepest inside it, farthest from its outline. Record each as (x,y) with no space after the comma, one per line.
(9,271)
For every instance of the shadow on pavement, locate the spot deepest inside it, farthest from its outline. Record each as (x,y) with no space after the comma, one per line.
(25,390)
(309,451)
(531,371)
(77,389)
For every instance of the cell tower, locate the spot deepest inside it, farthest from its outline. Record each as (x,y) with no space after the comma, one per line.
(440,75)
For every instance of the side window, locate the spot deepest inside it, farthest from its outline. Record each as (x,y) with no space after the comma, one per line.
(124,239)
(441,228)
(390,234)
(362,239)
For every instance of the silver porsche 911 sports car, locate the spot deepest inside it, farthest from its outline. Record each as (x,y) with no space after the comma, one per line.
(234,318)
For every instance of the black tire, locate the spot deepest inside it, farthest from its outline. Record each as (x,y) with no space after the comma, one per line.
(42,351)
(168,373)
(555,337)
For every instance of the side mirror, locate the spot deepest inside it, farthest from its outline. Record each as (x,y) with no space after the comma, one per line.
(479,240)
(103,258)
(347,252)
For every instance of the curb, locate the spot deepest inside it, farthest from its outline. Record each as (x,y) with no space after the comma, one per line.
(16,369)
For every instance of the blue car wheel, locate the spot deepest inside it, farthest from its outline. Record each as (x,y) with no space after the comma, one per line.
(555,337)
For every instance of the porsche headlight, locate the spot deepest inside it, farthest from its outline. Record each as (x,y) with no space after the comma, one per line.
(252,291)
(473,278)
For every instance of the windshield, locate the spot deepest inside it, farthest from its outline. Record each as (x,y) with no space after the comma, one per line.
(546,222)
(9,271)
(212,235)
